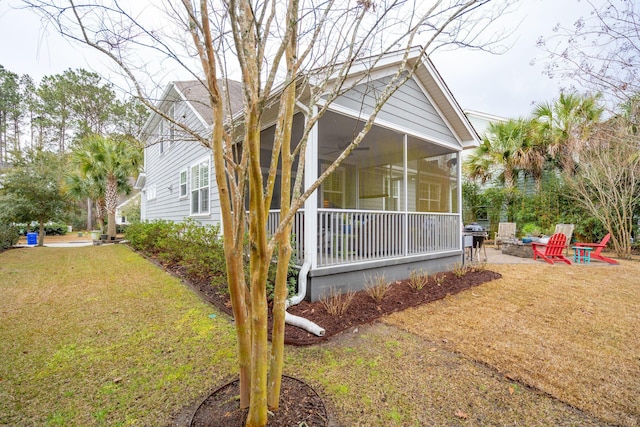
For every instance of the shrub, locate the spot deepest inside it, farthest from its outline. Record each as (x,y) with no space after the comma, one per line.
(418,279)
(337,303)
(197,248)
(9,236)
(478,266)
(144,236)
(377,287)
(439,278)
(202,251)
(460,270)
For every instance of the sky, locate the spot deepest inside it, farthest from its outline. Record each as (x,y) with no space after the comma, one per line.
(506,85)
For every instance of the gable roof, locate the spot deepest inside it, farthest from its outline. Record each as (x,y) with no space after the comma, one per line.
(197,95)
(429,77)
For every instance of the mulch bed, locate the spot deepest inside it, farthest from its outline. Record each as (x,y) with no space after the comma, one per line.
(300,405)
(362,309)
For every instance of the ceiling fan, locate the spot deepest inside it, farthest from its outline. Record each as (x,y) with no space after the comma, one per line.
(341,147)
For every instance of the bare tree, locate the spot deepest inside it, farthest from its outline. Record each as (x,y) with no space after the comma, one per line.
(290,56)
(608,180)
(601,52)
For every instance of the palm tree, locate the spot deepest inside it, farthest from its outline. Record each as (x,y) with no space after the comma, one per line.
(499,154)
(566,125)
(107,163)
(81,189)
(533,153)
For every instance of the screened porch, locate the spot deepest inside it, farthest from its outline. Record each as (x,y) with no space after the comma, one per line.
(395,196)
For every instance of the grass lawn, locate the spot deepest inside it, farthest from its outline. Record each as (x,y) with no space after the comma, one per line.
(100,336)
(570,331)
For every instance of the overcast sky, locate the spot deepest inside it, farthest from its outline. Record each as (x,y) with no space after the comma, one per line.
(503,85)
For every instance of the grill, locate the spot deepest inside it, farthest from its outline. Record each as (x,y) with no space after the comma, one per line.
(473,228)
(473,236)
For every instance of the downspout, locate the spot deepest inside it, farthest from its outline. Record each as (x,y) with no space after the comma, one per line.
(298,321)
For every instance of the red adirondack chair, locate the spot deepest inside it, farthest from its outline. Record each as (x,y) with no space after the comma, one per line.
(597,248)
(552,251)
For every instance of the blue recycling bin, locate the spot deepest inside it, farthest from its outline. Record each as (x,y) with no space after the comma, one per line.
(32,238)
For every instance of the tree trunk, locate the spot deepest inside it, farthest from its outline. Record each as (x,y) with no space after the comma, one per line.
(41,233)
(111,201)
(89,215)
(283,131)
(260,258)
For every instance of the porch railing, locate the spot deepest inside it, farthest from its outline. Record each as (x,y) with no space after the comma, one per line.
(351,236)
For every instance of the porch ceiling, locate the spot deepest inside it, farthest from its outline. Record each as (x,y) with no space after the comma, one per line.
(336,131)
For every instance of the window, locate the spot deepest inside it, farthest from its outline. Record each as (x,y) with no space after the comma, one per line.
(151,192)
(161,127)
(429,196)
(333,188)
(183,183)
(172,127)
(200,188)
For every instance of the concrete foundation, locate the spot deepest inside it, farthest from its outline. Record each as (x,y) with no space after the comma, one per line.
(355,276)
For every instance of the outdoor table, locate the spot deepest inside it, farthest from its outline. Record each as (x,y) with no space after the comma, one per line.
(582,254)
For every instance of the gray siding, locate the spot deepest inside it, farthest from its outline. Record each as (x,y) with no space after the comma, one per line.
(408,108)
(163,173)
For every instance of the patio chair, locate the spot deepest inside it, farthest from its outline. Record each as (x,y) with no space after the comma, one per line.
(567,230)
(506,231)
(553,250)
(597,248)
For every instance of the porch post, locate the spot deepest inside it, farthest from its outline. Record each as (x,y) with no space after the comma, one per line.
(311,204)
(459,174)
(405,179)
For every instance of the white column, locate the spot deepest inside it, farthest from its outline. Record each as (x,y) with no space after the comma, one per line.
(311,204)
(405,179)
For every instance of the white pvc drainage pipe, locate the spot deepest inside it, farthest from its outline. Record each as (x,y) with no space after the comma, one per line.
(298,321)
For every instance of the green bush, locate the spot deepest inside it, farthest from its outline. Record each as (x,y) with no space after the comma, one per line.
(199,249)
(203,252)
(9,236)
(145,236)
(55,229)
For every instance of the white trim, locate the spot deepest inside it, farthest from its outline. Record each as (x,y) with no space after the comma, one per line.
(200,211)
(311,204)
(186,184)
(151,193)
(436,107)
(439,81)
(389,125)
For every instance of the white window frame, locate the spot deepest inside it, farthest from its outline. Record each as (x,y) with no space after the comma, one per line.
(161,135)
(183,185)
(200,185)
(151,192)
(430,194)
(171,134)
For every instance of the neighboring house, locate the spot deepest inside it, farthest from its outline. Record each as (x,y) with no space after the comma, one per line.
(121,217)
(393,206)
(480,122)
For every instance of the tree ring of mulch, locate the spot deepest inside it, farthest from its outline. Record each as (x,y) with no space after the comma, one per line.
(299,405)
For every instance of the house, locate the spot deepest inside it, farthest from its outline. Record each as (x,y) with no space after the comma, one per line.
(130,204)
(393,206)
